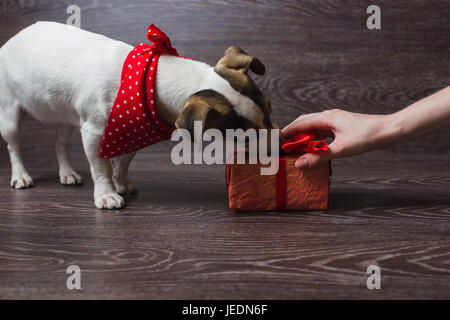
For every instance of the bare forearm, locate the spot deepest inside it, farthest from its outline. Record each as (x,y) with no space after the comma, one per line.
(429,114)
(356,133)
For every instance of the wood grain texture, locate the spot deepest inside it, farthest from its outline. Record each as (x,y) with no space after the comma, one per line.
(177,239)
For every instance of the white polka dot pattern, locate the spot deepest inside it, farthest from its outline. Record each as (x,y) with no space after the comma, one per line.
(133,115)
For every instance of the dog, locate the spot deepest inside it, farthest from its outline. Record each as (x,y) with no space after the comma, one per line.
(69,77)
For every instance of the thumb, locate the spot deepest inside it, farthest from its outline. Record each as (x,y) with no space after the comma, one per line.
(311,160)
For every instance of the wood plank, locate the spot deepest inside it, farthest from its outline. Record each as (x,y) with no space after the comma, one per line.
(177,239)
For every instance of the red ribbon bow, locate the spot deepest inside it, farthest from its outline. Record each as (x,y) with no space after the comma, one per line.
(160,40)
(304,142)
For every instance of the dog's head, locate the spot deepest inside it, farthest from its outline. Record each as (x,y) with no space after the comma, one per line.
(233,100)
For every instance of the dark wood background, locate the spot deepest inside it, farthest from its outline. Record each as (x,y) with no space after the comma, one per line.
(177,239)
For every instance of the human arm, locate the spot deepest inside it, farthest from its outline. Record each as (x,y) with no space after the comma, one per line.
(356,133)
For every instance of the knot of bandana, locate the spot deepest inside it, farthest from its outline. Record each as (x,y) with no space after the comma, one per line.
(161,41)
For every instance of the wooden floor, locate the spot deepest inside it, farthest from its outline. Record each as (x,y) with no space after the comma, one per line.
(177,239)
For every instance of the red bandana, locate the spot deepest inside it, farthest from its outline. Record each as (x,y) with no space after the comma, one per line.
(134,123)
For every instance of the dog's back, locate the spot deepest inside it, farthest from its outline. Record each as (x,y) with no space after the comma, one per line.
(47,64)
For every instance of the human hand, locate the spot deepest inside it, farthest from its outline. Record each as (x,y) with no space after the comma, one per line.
(353,133)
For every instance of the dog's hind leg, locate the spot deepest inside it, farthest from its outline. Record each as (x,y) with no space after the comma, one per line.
(10,116)
(67,175)
(120,167)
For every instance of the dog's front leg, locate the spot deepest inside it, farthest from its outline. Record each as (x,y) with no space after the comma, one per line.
(120,167)
(105,195)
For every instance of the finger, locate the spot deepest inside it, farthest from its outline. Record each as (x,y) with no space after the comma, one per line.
(301,118)
(292,128)
(315,122)
(307,115)
(312,160)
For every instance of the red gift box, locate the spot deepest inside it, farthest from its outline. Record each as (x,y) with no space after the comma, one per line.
(289,189)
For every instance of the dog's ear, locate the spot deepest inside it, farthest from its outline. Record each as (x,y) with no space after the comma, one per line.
(210,107)
(237,59)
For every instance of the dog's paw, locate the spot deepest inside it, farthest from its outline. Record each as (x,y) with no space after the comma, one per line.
(21,181)
(129,189)
(109,201)
(70,178)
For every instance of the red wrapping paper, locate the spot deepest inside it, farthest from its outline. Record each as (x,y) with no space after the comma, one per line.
(289,189)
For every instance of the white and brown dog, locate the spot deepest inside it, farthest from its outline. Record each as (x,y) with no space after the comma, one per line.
(70,77)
